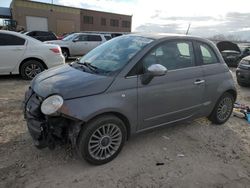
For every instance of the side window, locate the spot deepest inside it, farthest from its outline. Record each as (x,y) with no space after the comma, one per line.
(94,38)
(38,33)
(172,55)
(207,54)
(33,33)
(82,38)
(52,35)
(107,37)
(11,40)
(184,49)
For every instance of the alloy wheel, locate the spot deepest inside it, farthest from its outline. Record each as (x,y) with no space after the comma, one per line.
(105,141)
(224,108)
(32,70)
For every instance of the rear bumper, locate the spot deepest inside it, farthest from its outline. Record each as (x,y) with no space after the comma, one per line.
(243,75)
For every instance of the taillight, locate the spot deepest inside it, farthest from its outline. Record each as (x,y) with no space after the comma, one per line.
(56,50)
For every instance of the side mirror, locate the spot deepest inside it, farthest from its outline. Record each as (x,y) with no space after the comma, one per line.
(152,71)
(157,70)
(75,40)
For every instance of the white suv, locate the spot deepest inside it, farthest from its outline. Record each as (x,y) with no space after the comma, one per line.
(21,54)
(78,44)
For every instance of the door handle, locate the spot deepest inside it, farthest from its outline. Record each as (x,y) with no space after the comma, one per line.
(198,82)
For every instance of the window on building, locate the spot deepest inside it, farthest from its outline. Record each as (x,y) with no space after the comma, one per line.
(126,24)
(88,19)
(114,23)
(103,21)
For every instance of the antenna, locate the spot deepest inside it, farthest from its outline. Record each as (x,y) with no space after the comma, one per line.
(188,28)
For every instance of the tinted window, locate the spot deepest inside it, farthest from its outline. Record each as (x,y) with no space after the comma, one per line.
(107,37)
(82,38)
(94,38)
(208,55)
(52,35)
(10,40)
(172,55)
(45,34)
(33,33)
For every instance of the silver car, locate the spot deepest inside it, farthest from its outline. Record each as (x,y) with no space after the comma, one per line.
(128,85)
(78,44)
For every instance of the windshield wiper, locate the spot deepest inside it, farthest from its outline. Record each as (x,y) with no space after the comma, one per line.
(91,67)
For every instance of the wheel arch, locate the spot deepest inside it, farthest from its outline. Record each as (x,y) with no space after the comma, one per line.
(66,48)
(117,114)
(32,58)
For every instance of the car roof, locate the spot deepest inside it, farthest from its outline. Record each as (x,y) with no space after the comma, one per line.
(13,33)
(89,33)
(158,36)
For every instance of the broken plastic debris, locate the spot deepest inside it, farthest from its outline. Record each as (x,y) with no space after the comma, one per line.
(165,137)
(159,164)
(180,155)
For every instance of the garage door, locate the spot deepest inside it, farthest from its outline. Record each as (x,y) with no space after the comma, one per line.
(36,23)
(65,26)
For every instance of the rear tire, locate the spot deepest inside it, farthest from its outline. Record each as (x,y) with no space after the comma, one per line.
(223,109)
(102,139)
(30,69)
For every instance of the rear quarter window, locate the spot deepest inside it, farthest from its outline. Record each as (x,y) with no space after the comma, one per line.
(11,40)
(208,55)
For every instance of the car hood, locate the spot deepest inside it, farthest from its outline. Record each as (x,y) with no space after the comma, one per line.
(69,83)
(227,46)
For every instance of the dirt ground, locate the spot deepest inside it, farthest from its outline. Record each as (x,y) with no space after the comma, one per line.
(191,154)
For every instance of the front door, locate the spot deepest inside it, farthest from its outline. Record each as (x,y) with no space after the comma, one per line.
(175,96)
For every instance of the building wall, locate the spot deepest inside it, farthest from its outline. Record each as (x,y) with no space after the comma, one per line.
(63,19)
(97,26)
(54,14)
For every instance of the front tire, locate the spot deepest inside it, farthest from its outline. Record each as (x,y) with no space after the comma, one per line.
(30,69)
(223,109)
(102,139)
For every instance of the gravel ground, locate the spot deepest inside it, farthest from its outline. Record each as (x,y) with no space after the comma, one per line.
(190,154)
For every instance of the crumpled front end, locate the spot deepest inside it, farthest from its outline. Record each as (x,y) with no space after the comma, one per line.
(47,131)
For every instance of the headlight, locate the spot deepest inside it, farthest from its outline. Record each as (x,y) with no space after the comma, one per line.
(244,62)
(51,104)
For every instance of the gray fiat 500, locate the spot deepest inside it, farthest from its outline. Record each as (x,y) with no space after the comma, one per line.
(125,86)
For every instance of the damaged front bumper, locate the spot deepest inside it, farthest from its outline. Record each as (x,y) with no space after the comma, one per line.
(47,131)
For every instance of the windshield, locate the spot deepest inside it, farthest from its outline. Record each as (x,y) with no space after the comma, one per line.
(69,37)
(114,54)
